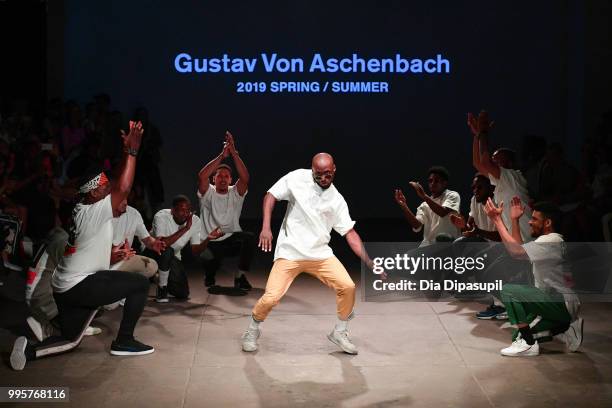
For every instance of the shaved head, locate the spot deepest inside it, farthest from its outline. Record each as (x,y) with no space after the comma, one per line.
(322,160)
(323,169)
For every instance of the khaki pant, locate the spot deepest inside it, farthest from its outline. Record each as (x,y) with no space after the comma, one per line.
(137,263)
(329,271)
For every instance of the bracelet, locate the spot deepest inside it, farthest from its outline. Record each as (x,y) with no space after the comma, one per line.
(131,151)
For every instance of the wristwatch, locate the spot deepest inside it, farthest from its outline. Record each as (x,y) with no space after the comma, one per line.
(131,151)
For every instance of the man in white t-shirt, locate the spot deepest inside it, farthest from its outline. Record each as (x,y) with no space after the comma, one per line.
(550,305)
(220,207)
(82,281)
(433,215)
(501,170)
(478,227)
(177,227)
(314,208)
(129,223)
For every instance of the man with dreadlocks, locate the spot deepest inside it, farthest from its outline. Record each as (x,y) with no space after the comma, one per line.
(83,281)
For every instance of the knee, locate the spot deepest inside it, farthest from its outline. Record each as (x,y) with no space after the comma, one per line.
(269,300)
(151,267)
(346,287)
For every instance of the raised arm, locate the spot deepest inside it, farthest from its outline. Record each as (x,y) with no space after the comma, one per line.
(481,157)
(265,237)
(354,241)
(435,207)
(131,143)
(512,245)
(400,199)
(243,174)
(207,171)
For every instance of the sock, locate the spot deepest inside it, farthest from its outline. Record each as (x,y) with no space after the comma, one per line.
(163,277)
(254,324)
(526,335)
(341,325)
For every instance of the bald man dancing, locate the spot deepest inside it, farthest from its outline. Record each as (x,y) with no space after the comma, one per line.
(315,207)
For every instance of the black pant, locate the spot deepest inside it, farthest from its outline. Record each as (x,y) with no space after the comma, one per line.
(78,305)
(102,288)
(239,243)
(178,285)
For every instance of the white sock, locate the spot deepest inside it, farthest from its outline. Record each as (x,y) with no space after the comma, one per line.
(253,324)
(341,325)
(163,277)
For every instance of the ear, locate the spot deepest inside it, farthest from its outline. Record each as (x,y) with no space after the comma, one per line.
(548,223)
(334,168)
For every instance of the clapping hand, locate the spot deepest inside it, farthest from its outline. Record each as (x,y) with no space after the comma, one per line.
(480,124)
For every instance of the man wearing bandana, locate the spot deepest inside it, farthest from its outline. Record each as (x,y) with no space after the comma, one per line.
(314,208)
(83,281)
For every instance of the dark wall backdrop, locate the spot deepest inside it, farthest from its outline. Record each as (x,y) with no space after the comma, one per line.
(508,57)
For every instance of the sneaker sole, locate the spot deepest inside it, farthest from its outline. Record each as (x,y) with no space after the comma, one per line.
(18,357)
(486,317)
(166,300)
(501,317)
(36,328)
(330,338)
(574,349)
(131,353)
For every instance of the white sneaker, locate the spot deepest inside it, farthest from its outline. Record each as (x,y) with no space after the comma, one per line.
(18,357)
(92,331)
(36,328)
(573,335)
(249,340)
(122,302)
(520,348)
(341,339)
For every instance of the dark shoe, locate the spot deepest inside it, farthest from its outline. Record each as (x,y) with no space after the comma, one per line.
(162,294)
(492,312)
(209,281)
(130,347)
(242,283)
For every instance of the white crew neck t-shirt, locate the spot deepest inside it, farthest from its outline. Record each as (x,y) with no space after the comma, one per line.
(511,183)
(312,213)
(164,226)
(481,219)
(221,210)
(550,270)
(89,245)
(128,225)
(433,224)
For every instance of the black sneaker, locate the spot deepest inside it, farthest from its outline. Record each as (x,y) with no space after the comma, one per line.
(162,294)
(130,347)
(491,312)
(210,281)
(242,283)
